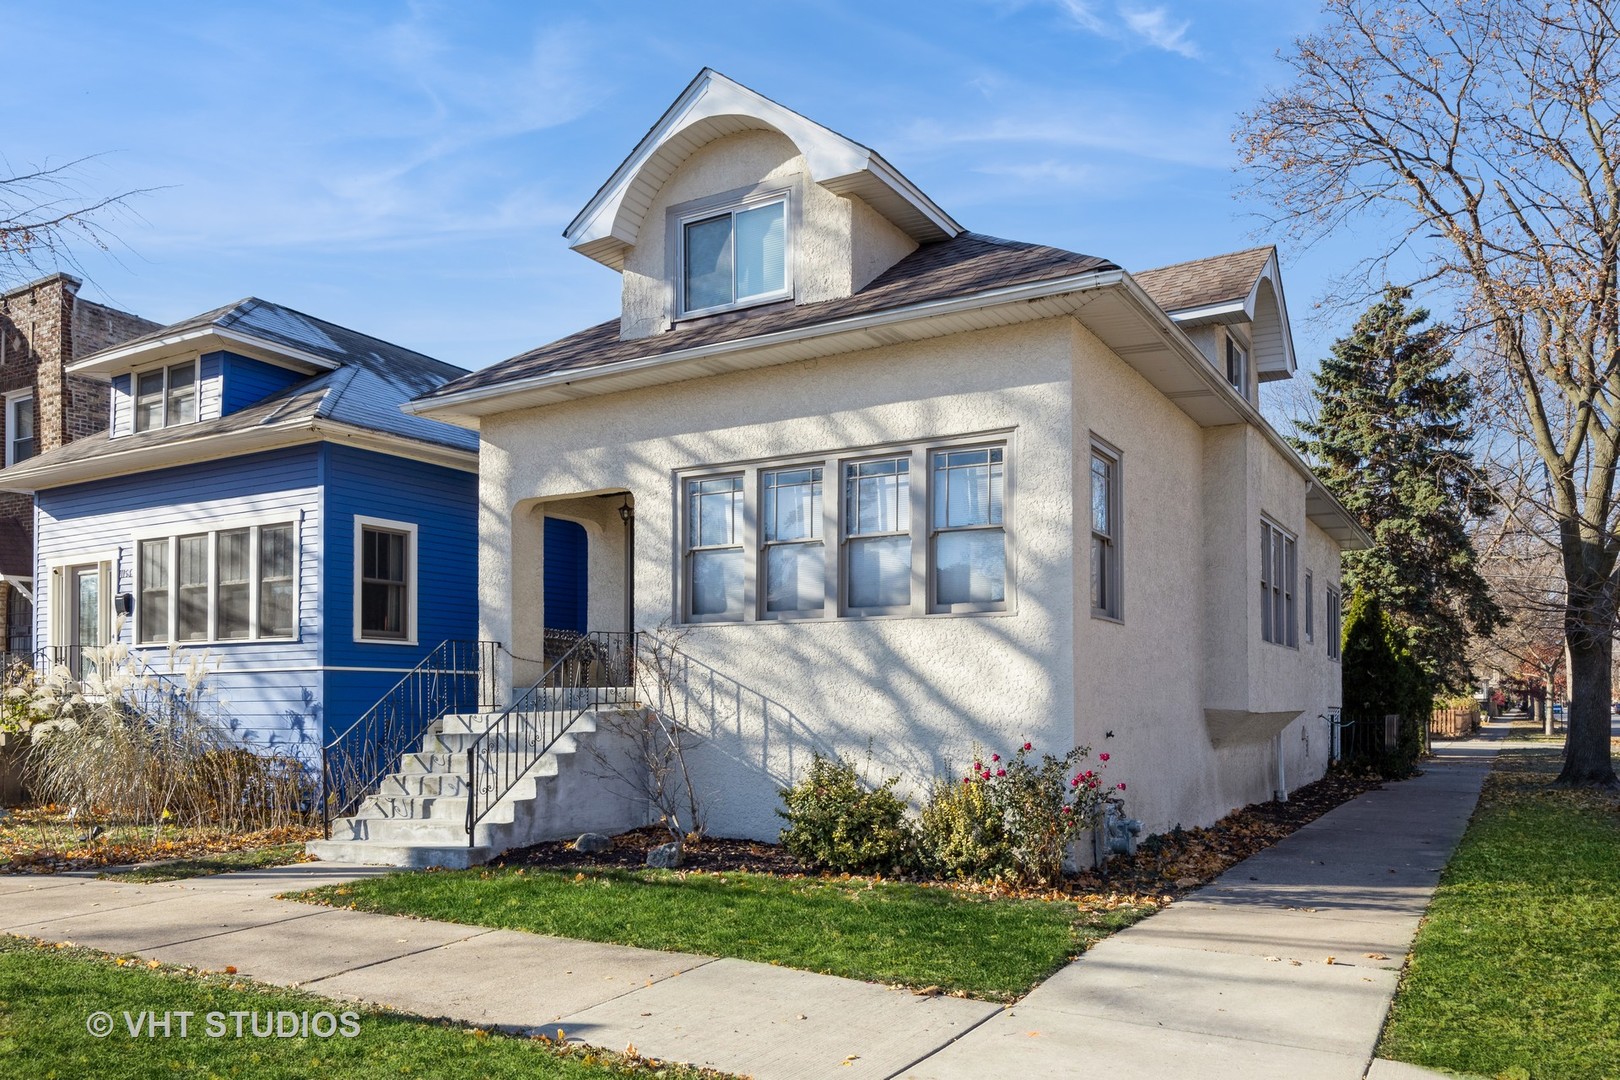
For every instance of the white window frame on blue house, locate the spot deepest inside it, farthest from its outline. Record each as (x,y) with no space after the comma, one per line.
(254,524)
(166,397)
(62,621)
(412,576)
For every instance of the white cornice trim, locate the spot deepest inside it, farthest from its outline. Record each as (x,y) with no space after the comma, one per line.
(228,444)
(121,358)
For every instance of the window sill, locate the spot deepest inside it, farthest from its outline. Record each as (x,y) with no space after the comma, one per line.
(1103,616)
(215,643)
(834,620)
(732,313)
(384,641)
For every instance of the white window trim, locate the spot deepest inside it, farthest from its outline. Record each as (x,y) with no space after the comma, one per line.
(412,577)
(135,393)
(211,531)
(1288,637)
(1335,623)
(731,202)
(1310,606)
(1241,382)
(13,399)
(1116,510)
(106,563)
(834,532)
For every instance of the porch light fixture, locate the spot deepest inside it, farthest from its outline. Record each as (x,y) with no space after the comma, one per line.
(625,512)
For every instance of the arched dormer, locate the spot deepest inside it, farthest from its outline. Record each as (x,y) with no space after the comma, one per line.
(831,212)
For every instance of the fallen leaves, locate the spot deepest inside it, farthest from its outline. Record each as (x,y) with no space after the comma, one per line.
(43,840)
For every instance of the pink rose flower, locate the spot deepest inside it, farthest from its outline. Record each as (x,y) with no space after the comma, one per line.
(1102,757)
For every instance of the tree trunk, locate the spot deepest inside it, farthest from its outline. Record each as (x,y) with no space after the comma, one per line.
(1586,745)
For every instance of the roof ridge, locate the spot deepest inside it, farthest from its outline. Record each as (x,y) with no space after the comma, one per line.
(340,381)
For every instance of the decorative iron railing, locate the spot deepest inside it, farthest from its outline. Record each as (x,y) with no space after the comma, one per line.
(584,673)
(457,676)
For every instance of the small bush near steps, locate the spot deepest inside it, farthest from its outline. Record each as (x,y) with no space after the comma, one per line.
(834,821)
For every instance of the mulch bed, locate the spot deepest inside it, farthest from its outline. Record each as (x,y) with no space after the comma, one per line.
(1164,866)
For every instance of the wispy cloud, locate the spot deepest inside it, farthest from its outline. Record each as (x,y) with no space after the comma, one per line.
(1155,26)
(1160,29)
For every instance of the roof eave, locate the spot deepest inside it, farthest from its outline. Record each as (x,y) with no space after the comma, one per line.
(116,462)
(120,358)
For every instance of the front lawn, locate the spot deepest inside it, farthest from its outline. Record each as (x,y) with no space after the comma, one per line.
(891,932)
(223,863)
(48,996)
(1516,971)
(47,840)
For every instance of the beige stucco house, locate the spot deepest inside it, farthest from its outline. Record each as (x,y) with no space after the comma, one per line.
(902,490)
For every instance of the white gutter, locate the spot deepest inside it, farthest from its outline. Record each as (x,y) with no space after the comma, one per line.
(1011,294)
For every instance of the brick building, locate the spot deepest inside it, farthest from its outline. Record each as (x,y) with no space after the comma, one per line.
(44,326)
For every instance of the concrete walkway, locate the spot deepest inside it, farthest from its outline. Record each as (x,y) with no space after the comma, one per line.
(1284,967)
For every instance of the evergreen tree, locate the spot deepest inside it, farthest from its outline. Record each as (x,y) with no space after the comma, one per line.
(1391,442)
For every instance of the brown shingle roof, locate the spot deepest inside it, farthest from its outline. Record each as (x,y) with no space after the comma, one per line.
(967,264)
(1201,282)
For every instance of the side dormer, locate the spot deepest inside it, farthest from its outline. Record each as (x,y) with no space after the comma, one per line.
(733,202)
(1232,308)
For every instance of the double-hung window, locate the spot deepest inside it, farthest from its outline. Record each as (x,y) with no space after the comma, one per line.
(795,553)
(1310,608)
(385,581)
(912,530)
(734,256)
(1278,602)
(20,444)
(1335,622)
(714,551)
(166,396)
(969,536)
(207,586)
(877,535)
(1106,576)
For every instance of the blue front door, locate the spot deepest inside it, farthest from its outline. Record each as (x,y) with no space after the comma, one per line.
(566,581)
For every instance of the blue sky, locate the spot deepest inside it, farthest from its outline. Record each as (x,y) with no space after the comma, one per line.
(407,169)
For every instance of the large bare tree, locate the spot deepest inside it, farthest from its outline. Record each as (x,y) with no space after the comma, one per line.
(1479,139)
(47,215)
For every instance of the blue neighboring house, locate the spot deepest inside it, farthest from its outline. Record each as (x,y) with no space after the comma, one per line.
(259,496)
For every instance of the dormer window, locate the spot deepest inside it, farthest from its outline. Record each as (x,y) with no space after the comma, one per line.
(166,396)
(734,256)
(1237,366)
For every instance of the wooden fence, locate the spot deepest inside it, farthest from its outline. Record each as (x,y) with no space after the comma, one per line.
(1454,723)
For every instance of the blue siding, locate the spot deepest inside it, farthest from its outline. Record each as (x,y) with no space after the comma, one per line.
(270,691)
(443,504)
(565,575)
(247,382)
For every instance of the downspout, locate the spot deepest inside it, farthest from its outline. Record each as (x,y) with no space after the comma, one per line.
(1281,792)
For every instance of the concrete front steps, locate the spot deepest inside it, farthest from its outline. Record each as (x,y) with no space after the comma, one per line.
(417,818)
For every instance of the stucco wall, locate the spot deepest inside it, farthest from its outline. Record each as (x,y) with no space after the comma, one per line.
(838,244)
(917,693)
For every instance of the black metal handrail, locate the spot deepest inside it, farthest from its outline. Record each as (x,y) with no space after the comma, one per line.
(575,681)
(457,676)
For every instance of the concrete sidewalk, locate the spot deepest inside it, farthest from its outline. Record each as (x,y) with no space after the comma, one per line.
(1236,979)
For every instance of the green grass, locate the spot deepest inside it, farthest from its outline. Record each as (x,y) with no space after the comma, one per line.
(1516,972)
(47,995)
(223,863)
(889,932)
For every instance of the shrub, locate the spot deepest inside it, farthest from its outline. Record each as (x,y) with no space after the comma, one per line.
(836,821)
(136,746)
(1012,820)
